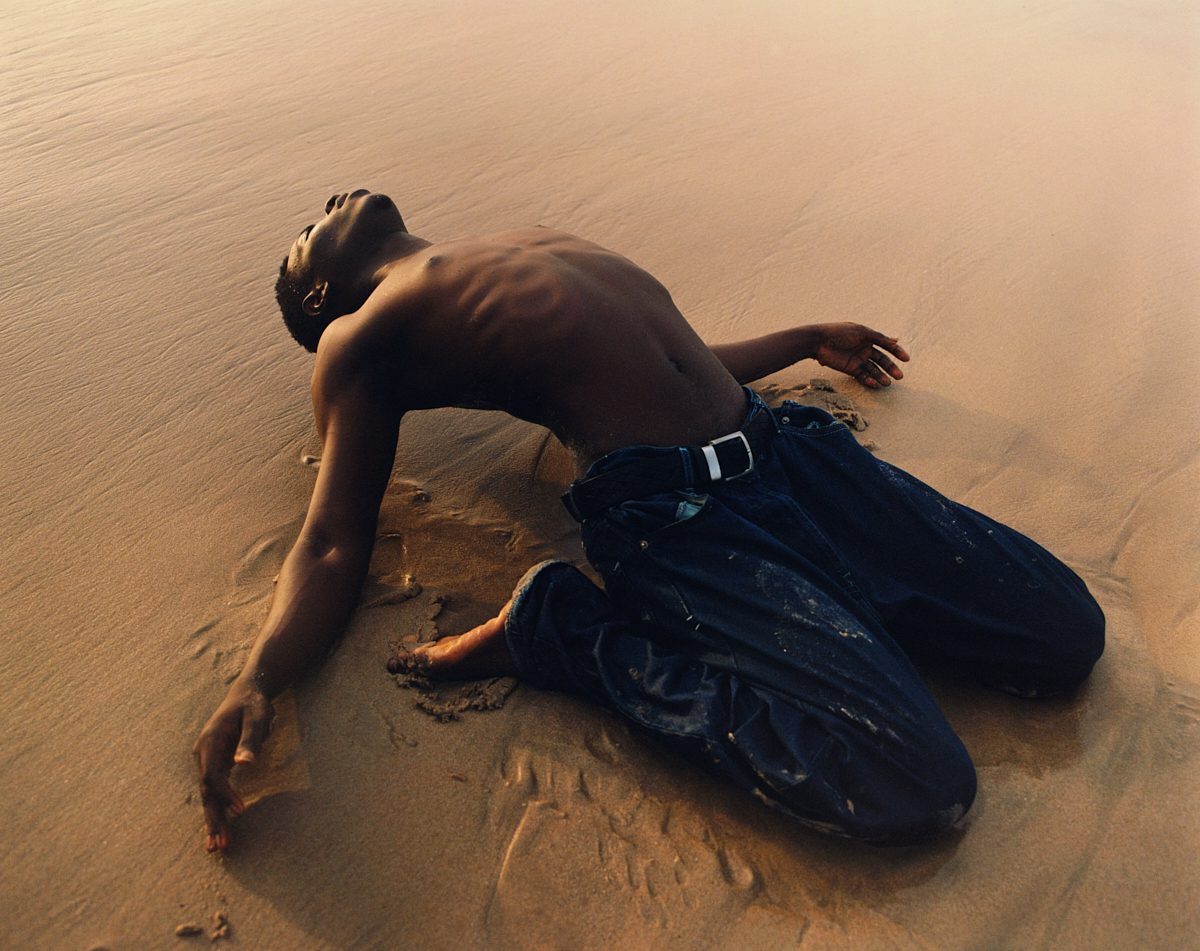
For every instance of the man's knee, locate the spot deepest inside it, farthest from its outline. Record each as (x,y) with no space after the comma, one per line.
(922,805)
(1083,639)
(875,798)
(1072,643)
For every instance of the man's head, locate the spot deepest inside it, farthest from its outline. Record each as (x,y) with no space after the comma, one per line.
(332,267)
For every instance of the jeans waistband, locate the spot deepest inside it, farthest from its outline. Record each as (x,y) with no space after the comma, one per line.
(662,469)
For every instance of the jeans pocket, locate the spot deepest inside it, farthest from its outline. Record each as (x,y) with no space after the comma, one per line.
(643,522)
(799,419)
(627,545)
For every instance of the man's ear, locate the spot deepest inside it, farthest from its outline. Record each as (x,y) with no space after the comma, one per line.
(314,300)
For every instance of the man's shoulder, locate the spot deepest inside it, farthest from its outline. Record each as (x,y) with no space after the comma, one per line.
(525,237)
(396,302)
(349,381)
(390,349)
(338,362)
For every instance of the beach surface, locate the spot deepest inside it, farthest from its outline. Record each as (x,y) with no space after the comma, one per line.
(1012,188)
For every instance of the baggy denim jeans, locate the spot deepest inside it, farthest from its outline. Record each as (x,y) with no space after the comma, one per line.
(766,627)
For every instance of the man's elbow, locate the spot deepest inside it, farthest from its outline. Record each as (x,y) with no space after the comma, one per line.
(344,552)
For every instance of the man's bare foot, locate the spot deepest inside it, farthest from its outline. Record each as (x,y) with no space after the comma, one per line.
(480,652)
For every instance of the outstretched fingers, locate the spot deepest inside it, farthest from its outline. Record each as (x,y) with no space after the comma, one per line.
(892,346)
(860,352)
(878,368)
(216,793)
(234,734)
(219,802)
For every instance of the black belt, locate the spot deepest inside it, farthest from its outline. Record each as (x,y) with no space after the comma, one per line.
(722,459)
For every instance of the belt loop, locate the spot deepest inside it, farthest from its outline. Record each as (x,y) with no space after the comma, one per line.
(689,468)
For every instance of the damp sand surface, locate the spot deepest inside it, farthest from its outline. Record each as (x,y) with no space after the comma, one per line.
(1010,188)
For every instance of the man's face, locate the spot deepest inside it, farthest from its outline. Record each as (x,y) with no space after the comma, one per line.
(346,236)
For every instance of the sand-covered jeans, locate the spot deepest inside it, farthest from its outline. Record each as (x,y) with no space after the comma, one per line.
(766,627)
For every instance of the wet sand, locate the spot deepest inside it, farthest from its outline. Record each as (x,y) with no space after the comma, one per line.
(1012,188)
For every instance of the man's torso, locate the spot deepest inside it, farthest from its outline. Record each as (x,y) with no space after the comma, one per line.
(547,327)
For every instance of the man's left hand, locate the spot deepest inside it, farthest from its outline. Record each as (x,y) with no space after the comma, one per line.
(859,352)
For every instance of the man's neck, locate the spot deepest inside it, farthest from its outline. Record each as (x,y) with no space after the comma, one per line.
(400,245)
(394,249)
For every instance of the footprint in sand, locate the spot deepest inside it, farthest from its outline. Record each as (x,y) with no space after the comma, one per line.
(645,869)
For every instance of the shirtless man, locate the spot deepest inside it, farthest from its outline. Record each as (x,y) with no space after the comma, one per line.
(767,580)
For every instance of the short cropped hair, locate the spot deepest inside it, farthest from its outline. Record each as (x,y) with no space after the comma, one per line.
(290,291)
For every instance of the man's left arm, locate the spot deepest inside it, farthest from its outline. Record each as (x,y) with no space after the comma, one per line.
(853,349)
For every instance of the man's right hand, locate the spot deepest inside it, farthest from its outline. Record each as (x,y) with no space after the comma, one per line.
(234,734)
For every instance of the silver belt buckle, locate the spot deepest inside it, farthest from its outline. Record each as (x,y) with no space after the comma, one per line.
(714,464)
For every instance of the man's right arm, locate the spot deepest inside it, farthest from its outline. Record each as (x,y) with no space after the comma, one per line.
(315,595)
